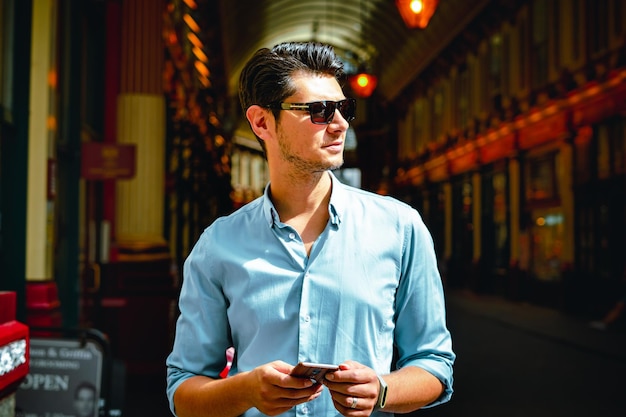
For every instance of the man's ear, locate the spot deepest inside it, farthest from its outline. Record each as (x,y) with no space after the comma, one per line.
(260,121)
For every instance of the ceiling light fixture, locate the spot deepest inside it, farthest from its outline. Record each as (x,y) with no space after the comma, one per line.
(416,13)
(363,83)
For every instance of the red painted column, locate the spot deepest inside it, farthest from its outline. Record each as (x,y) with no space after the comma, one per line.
(43,307)
(14,351)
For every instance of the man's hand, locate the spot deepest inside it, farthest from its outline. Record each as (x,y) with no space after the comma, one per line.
(273,391)
(354,389)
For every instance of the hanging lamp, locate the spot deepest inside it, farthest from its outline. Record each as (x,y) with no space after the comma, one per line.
(363,83)
(416,13)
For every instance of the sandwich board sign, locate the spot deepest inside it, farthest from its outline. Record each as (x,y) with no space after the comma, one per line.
(64,379)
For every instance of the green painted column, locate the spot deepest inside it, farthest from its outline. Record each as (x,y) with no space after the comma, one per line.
(68,154)
(13,161)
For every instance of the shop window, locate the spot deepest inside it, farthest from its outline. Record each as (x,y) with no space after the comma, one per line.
(547,244)
(604,153)
(500,219)
(618,146)
(541,184)
(495,220)
(611,149)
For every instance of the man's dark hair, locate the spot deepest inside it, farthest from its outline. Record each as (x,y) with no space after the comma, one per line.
(84,385)
(266,78)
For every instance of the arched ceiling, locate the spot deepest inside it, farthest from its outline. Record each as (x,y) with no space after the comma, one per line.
(370,31)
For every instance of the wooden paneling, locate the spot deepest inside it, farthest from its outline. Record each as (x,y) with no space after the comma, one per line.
(142,46)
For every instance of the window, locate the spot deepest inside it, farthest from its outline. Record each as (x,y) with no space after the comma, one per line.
(462,98)
(6,61)
(539,44)
(420,139)
(495,71)
(618,16)
(576,30)
(598,26)
(540,178)
(438,115)
(547,237)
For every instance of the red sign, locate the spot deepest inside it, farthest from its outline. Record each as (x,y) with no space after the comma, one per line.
(548,128)
(500,148)
(107,161)
(14,343)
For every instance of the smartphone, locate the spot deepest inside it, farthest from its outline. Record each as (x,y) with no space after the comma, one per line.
(315,371)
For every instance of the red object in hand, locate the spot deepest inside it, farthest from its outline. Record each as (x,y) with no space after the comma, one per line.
(230,354)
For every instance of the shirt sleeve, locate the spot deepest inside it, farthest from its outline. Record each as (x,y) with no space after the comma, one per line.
(422,336)
(202,332)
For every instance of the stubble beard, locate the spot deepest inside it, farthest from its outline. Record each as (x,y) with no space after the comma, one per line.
(305,165)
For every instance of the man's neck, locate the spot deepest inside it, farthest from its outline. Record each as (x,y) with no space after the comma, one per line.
(304,207)
(303,196)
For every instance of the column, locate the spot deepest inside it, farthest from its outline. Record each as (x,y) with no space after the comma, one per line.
(141,121)
(566,189)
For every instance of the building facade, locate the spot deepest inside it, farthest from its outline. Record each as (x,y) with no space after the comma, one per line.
(513,145)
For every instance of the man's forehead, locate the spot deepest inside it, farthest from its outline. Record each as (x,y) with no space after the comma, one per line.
(316,86)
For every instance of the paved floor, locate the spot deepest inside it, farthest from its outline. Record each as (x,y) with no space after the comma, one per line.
(544,322)
(519,360)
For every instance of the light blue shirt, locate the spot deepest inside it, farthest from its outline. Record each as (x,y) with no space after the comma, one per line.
(371,281)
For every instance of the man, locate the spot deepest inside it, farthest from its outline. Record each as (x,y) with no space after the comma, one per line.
(312,271)
(85,399)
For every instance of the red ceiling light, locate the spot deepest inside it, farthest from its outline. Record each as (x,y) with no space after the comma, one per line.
(363,84)
(416,13)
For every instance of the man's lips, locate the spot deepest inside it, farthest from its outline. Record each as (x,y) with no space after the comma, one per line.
(335,144)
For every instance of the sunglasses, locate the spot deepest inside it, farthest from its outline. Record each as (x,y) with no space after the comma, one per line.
(323,112)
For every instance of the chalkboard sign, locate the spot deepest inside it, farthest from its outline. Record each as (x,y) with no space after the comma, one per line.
(65,379)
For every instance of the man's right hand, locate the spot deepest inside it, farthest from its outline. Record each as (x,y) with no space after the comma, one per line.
(274,391)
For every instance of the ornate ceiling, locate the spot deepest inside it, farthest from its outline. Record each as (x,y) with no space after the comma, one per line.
(367,32)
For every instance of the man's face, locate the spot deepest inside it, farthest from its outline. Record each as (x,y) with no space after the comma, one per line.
(85,402)
(306,146)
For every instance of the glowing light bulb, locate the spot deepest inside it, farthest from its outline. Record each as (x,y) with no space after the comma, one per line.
(417,6)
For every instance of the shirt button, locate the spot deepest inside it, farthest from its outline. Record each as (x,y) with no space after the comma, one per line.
(305,410)
(307,318)
(292,236)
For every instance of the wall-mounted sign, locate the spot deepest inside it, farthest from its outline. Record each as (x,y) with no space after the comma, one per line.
(107,161)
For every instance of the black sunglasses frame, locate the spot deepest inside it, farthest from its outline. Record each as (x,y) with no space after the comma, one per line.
(325,114)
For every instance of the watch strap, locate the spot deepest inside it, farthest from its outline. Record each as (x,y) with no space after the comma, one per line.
(382,393)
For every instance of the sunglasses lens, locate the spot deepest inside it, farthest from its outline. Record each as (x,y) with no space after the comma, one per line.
(347,108)
(319,112)
(323,112)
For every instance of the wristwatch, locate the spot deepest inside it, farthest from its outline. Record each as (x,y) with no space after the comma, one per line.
(382,393)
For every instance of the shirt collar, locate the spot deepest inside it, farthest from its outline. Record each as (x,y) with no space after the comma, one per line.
(335,207)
